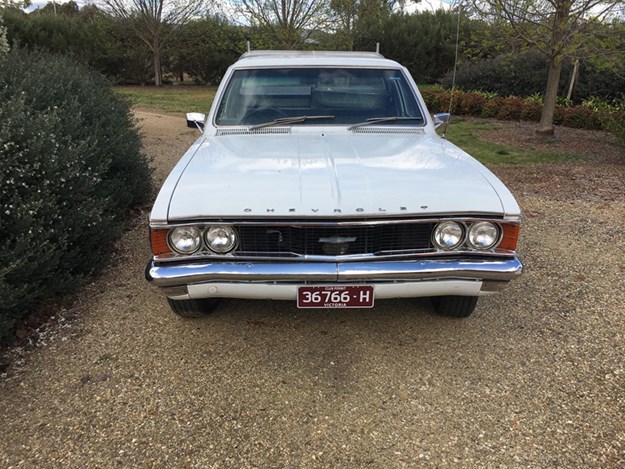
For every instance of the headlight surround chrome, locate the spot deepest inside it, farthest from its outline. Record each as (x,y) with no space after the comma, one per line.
(221,238)
(185,239)
(483,235)
(448,235)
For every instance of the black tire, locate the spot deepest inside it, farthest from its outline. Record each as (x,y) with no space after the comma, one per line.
(454,306)
(193,308)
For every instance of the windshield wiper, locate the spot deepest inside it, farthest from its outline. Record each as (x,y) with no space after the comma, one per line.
(287,121)
(376,120)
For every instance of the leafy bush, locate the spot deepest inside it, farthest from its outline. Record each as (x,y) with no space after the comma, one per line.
(611,115)
(436,98)
(4,43)
(471,104)
(429,53)
(581,117)
(526,74)
(506,75)
(614,122)
(70,170)
(531,109)
(206,47)
(492,106)
(510,108)
(88,35)
(594,114)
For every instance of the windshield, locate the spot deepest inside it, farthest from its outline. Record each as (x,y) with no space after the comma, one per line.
(342,95)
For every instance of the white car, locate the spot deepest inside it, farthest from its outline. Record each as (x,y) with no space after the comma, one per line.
(319,178)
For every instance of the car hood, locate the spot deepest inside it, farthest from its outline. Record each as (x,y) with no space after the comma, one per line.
(328,175)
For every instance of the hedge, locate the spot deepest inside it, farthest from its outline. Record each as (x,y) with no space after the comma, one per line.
(524,74)
(71,168)
(514,108)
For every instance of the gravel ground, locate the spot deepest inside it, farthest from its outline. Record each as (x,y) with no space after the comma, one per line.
(535,378)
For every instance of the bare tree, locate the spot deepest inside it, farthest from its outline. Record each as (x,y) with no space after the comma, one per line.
(285,20)
(557,28)
(154,22)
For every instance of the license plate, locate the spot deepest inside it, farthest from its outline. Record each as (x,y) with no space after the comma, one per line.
(335,296)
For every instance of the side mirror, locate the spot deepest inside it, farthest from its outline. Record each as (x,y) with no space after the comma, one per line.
(441,118)
(195,120)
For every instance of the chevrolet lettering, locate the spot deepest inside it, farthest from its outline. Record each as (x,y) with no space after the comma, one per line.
(319,178)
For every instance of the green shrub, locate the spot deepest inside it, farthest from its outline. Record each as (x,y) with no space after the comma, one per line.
(510,109)
(436,99)
(70,170)
(491,107)
(524,74)
(614,122)
(581,117)
(4,43)
(531,110)
(593,114)
(471,104)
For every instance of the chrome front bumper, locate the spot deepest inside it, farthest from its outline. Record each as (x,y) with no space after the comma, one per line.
(391,279)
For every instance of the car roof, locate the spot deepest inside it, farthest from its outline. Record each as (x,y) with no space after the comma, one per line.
(280,58)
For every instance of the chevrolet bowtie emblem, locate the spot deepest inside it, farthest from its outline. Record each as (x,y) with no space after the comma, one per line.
(336,245)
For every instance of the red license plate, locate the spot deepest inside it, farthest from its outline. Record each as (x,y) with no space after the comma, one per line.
(335,296)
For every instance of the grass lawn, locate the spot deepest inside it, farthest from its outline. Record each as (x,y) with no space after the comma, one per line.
(175,99)
(462,133)
(189,98)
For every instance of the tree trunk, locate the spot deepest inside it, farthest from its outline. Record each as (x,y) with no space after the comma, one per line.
(157,68)
(573,78)
(545,127)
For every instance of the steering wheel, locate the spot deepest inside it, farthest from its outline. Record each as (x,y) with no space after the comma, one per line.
(260,115)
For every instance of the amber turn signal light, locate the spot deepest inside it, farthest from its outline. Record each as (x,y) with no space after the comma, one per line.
(510,236)
(158,240)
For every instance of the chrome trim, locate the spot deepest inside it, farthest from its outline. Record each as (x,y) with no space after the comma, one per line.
(169,275)
(304,221)
(204,229)
(494,245)
(465,233)
(294,257)
(206,253)
(171,246)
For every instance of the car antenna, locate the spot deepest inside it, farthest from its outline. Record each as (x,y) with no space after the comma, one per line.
(453,80)
(377,47)
(249,46)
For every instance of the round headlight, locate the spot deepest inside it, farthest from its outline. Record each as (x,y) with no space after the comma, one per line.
(448,235)
(221,239)
(483,235)
(185,239)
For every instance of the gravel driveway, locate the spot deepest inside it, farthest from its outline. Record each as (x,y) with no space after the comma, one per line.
(536,378)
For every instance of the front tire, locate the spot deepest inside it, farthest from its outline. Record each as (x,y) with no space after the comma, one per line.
(454,306)
(193,308)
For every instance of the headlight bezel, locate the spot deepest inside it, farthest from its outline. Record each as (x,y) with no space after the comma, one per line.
(197,235)
(233,236)
(469,226)
(463,235)
(475,226)
(204,247)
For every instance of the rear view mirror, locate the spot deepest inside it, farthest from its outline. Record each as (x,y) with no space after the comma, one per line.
(195,120)
(441,118)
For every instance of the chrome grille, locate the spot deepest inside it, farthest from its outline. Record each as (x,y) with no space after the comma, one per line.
(305,240)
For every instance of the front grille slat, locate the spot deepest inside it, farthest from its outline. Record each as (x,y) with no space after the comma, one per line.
(304,239)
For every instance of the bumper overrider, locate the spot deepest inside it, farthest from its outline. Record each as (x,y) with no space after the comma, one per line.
(279,281)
